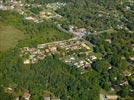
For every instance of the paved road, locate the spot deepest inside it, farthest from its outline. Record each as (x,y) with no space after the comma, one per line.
(62,29)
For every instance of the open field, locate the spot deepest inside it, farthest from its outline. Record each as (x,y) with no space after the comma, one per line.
(9,36)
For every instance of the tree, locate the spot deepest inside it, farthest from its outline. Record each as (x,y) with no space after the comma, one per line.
(131,81)
(104,81)
(101,66)
(124,91)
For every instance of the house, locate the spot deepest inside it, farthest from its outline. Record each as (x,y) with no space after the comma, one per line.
(41,46)
(13,1)
(86,66)
(85,46)
(112,97)
(42,14)
(47,50)
(128,8)
(109,41)
(103,97)
(76,64)
(53,49)
(17,98)
(21,12)
(93,57)
(22,50)
(55,99)
(124,83)
(72,58)
(71,28)
(32,49)
(81,63)
(12,7)
(112,89)
(131,58)
(30,18)
(89,61)
(127,73)
(67,61)
(27,61)
(34,60)
(9,90)
(110,67)
(41,57)
(3,7)
(26,48)
(75,47)
(31,56)
(47,98)
(26,95)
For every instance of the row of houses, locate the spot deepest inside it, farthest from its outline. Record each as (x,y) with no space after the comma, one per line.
(80,62)
(55,6)
(27,95)
(73,52)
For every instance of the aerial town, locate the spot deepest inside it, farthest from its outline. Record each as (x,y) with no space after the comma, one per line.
(66,49)
(73,52)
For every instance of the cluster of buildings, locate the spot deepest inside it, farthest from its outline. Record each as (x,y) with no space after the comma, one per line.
(12,5)
(80,62)
(78,31)
(2,7)
(47,12)
(73,52)
(56,5)
(27,95)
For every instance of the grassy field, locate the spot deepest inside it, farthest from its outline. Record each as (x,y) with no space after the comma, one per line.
(9,36)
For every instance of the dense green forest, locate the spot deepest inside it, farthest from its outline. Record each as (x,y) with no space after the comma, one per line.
(52,75)
(116,48)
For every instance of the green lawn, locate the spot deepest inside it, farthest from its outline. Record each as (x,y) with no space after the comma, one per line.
(9,36)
